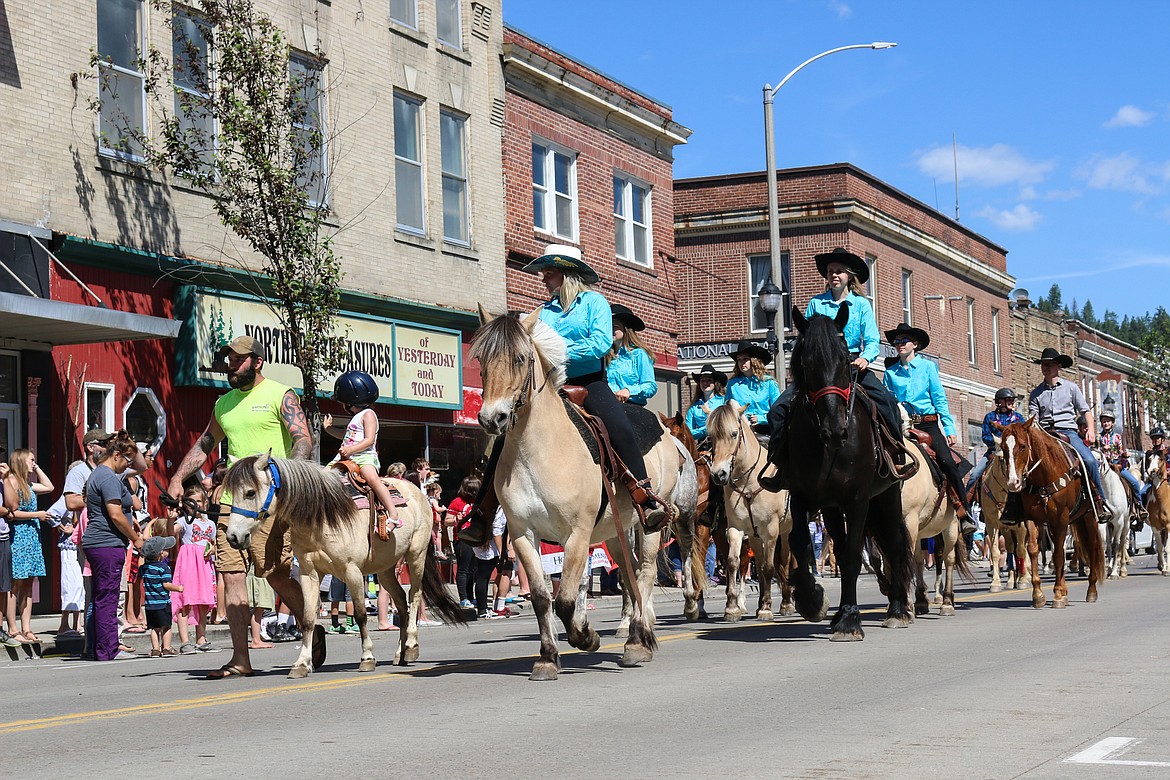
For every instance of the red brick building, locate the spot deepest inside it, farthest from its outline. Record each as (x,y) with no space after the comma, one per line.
(926,269)
(588,162)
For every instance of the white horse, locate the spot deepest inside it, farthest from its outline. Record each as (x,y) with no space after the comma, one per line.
(331,535)
(1114,532)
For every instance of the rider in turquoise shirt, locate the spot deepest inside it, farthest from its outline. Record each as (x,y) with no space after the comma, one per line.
(630,371)
(861,331)
(587,328)
(917,385)
(709,398)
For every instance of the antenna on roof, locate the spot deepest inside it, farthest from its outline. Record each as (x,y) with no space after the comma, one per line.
(955,152)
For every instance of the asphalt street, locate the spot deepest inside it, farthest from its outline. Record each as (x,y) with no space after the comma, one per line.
(999,691)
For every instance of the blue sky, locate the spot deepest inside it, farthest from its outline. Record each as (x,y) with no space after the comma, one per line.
(1061,111)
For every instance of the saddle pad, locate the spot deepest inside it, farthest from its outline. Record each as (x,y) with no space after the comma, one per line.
(928,456)
(647,429)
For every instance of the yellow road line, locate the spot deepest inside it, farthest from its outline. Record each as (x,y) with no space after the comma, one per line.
(356,679)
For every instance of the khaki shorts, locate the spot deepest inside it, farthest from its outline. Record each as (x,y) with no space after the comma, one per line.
(269,550)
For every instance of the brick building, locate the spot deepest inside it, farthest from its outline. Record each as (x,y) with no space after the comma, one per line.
(926,269)
(588,162)
(411,103)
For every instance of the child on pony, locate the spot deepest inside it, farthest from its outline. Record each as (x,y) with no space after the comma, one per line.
(357,391)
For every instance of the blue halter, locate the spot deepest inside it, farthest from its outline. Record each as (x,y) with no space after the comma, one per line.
(262,515)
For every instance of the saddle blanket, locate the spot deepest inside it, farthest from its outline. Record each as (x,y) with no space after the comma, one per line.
(647,428)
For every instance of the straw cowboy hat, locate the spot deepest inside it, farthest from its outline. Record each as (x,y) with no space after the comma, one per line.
(846,258)
(566,259)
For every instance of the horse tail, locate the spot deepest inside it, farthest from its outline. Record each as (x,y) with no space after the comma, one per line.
(435,592)
(962,560)
(699,544)
(877,562)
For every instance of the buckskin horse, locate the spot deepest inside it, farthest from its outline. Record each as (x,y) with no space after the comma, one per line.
(832,462)
(549,484)
(1052,484)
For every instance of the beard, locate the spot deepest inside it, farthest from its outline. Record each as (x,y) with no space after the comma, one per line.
(242,378)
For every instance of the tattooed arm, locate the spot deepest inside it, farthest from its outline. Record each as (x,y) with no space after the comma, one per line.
(298,426)
(196,457)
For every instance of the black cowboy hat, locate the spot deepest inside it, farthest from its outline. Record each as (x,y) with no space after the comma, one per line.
(627,317)
(709,370)
(754,350)
(566,259)
(1051,354)
(917,335)
(846,258)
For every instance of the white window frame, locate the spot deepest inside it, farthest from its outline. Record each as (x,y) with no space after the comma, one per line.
(971,331)
(907,297)
(410,8)
(459,178)
(995,340)
(107,422)
(625,221)
(458,26)
(183,118)
(317,192)
(784,285)
(419,165)
(103,66)
(12,409)
(871,283)
(159,411)
(551,227)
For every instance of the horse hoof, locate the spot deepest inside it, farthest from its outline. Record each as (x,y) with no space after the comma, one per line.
(765,615)
(921,609)
(622,631)
(847,636)
(594,643)
(367,665)
(1039,603)
(1124,572)
(787,609)
(947,610)
(732,617)
(298,672)
(411,655)
(1060,603)
(543,670)
(691,615)
(635,655)
(891,622)
(996,588)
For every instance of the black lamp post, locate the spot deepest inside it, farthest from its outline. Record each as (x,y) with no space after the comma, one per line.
(771,300)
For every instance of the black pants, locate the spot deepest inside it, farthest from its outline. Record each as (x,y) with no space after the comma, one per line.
(602,403)
(465,566)
(887,405)
(483,575)
(938,441)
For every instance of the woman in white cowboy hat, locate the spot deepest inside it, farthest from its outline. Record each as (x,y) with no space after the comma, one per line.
(712,385)
(1056,403)
(751,386)
(915,382)
(844,274)
(629,369)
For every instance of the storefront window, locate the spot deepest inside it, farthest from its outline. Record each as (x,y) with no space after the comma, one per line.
(145,419)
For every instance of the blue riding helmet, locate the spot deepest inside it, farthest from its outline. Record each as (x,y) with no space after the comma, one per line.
(355,388)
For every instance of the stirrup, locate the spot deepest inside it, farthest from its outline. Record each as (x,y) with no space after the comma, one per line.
(771,482)
(477,532)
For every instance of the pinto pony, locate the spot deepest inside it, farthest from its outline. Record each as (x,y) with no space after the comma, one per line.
(1038,467)
(993,498)
(833,463)
(550,486)
(331,535)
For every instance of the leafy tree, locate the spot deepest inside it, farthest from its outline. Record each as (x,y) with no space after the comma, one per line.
(245,125)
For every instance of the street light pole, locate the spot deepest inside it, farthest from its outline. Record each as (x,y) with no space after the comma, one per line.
(781,362)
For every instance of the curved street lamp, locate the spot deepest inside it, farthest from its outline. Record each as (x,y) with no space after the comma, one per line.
(773,206)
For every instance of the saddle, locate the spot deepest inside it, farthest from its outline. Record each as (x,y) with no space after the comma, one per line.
(359,491)
(1136,511)
(922,439)
(1076,469)
(888,445)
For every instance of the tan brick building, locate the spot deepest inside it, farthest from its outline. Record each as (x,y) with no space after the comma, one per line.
(926,269)
(588,162)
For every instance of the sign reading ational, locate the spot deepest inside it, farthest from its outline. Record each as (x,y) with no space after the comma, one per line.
(428,367)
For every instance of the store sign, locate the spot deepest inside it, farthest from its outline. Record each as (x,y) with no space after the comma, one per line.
(712,350)
(412,364)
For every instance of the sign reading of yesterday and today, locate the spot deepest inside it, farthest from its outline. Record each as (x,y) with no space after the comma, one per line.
(412,364)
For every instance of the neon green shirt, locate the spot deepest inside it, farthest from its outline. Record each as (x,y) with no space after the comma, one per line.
(252,422)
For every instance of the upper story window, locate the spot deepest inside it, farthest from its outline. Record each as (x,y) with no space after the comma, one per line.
(907,297)
(408,164)
(309,121)
(995,340)
(405,12)
(633,237)
(971,331)
(121,81)
(192,77)
(453,135)
(449,22)
(554,191)
(871,283)
(760,271)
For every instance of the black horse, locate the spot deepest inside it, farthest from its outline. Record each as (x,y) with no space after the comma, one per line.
(833,464)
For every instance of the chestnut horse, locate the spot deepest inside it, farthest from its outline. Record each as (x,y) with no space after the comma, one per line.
(1055,496)
(1160,510)
(694,561)
(993,495)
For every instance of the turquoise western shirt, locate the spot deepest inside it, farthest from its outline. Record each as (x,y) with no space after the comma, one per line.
(633,371)
(697,418)
(756,396)
(917,384)
(587,328)
(861,331)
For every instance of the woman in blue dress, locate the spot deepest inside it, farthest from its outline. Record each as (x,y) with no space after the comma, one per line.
(24,482)
(629,369)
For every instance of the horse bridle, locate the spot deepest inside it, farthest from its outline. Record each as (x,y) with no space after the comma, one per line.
(521,397)
(812,396)
(273,486)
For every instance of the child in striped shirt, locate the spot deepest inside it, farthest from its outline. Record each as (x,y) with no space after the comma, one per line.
(155,574)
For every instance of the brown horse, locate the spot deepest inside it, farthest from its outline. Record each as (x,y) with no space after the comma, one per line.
(695,573)
(993,498)
(1055,495)
(1160,510)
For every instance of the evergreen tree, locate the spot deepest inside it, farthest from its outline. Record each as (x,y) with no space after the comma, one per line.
(1088,316)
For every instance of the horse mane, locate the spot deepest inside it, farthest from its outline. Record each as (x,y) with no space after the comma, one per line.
(679,430)
(725,420)
(823,343)
(506,338)
(315,499)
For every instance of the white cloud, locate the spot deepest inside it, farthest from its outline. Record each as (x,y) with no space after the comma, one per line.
(990,166)
(1019,219)
(841,9)
(1110,267)
(1130,116)
(1122,172)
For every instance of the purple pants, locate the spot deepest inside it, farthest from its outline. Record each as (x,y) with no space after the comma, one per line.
(106,565)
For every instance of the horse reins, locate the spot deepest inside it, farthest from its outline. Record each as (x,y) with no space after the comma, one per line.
(734,483)
(273,486)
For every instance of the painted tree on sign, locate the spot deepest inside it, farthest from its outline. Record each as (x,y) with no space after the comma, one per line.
(241,117)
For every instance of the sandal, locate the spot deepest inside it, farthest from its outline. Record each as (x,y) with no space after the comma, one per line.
(134,628)
(227,670)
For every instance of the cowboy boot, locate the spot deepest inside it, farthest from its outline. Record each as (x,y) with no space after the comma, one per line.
(655,511)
